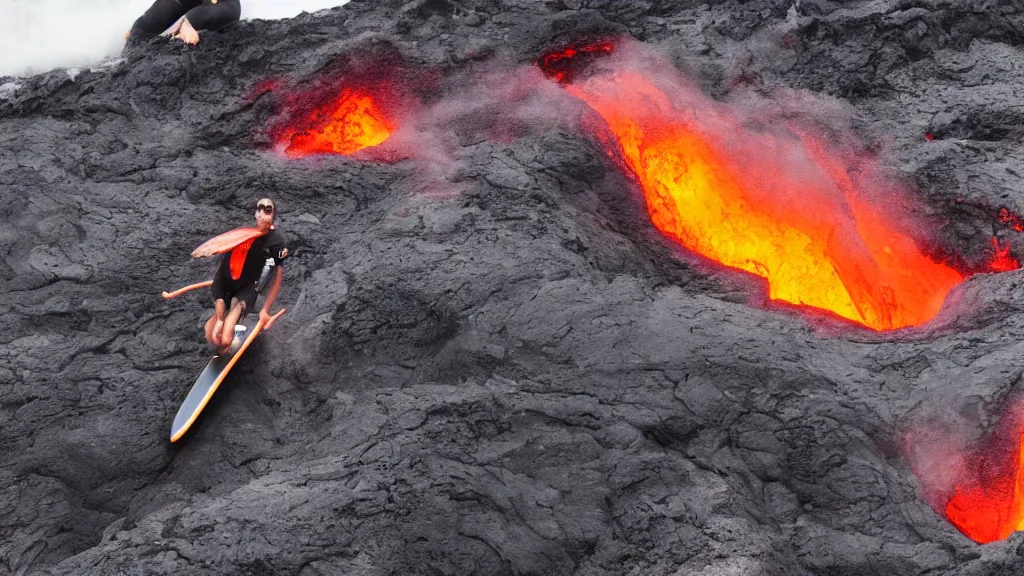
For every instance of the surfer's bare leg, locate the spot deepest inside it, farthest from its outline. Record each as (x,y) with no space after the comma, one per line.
(186,33)
(228,330)
(213,330)
(163,18)
(173,30)
(215,325)
(208,15)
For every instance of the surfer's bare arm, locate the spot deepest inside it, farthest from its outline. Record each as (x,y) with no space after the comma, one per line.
(275,286)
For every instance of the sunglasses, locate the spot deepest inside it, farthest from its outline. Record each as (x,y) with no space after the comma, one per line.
(266,208)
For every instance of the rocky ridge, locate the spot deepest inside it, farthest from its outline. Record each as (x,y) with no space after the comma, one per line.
(509,371)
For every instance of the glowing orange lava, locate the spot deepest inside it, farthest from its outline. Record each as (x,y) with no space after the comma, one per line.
(1014,221)
(821,244)
(1002,260)
(351,122)
(990,505)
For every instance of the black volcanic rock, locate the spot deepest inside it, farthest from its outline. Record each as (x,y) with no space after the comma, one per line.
(492,363)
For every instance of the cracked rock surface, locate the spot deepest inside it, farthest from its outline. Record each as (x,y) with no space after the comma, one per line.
(517,376)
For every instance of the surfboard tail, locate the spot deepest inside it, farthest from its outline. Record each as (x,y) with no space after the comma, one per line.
(211,378)
(202,392)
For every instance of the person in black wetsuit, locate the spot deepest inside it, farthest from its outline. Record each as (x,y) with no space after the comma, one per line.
(183,18)
(238,273)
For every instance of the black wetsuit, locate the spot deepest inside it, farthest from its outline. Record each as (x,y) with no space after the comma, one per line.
(202,14)
(239,282)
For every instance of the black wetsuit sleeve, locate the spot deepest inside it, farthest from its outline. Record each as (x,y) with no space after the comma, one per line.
(219,289)
(276,247)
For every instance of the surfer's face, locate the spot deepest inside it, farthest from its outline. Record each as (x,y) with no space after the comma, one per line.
(265,211)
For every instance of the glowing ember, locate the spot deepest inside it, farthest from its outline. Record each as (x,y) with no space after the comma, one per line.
(1011,219)
(351,122)
(1002,260)
(782,207)
(561,65)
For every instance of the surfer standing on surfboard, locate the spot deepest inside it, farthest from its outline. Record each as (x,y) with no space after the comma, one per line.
(244,251)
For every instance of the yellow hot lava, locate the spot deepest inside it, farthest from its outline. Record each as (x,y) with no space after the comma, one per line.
(843,256)
(351,122)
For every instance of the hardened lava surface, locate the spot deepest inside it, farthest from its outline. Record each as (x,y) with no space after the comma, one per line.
(492,362)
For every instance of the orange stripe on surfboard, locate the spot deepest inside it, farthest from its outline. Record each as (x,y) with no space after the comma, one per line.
(220,377)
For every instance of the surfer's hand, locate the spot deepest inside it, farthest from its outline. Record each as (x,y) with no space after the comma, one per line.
(267,319)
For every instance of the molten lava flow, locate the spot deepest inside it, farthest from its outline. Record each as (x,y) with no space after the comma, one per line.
(989,506)
(352,122)
(783,209)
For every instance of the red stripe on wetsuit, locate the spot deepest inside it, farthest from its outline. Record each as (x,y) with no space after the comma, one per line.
(238,254)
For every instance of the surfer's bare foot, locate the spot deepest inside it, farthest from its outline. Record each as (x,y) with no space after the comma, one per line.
(186,33)
(174,27)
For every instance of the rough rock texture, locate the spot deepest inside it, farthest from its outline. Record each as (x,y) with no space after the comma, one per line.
(519,377)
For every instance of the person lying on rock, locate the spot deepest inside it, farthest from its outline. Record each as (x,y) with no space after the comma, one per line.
(183,18)
(236,283)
